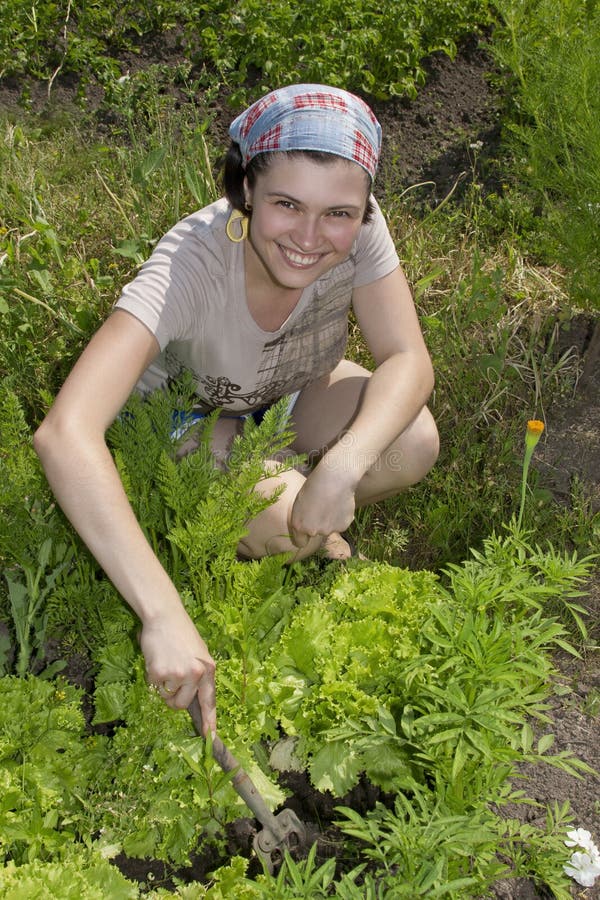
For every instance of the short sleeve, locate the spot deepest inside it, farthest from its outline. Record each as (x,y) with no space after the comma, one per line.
(375,253)
(173,289)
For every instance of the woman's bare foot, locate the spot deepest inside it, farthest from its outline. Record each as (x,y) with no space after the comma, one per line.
(336,547)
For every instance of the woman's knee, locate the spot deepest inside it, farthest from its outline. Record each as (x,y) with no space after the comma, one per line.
(406,462)
(417,449)
(423,442)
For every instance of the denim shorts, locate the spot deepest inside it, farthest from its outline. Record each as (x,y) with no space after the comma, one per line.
(183,421)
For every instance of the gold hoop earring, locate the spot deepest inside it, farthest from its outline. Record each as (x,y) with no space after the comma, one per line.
(237,232)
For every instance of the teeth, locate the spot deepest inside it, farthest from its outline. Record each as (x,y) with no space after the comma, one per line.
(300,259)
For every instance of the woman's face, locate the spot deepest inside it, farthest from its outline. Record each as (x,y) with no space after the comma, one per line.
(306,216)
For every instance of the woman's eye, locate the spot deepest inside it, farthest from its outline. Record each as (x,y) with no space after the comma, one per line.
(287,204)
(339,213)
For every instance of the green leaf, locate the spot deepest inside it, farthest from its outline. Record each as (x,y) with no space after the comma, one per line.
(545,742)
(111,702)
(131,248)
(526,737)
(151,162)
(334,768)
(460,758)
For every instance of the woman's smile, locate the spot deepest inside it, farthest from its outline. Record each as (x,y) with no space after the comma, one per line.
(300,260)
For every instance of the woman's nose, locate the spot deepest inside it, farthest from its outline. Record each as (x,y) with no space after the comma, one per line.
(306,235)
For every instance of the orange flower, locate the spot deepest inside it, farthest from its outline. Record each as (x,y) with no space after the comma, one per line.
(534,426)
(532,436)
(533,433)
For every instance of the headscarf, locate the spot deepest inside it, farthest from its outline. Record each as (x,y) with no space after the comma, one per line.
(310,117)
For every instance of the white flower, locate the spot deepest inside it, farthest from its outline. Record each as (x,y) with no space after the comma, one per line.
(580,837)
(584,865)
(583,868)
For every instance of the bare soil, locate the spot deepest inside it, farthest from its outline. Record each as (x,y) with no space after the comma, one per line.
(429,142)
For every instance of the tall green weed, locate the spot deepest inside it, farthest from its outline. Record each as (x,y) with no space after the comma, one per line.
(551,50)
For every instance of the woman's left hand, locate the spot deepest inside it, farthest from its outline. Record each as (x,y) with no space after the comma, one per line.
(324,505)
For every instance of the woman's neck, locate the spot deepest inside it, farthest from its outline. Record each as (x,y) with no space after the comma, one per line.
(270,304)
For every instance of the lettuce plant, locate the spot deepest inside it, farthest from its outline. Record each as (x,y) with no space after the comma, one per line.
(45,767)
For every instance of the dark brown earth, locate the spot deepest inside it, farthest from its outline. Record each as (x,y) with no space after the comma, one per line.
(428,149)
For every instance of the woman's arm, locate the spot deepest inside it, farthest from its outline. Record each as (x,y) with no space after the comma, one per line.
(402,381)
(71,445)
(385,412)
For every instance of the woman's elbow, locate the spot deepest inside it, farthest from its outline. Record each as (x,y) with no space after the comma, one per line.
(52,439)
(42,439)
(428,376)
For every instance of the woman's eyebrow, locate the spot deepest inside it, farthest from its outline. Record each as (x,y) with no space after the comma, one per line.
(283,194)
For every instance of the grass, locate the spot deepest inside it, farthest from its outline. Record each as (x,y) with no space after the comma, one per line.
(550,53)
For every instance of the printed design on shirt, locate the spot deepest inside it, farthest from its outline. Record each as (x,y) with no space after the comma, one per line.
(314,344)
(217,392)
(213,392)
(221,392)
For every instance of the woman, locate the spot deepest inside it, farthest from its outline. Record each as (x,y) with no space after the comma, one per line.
(251,294)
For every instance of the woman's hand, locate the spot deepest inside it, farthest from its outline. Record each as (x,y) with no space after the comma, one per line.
(324,505)
(179,664)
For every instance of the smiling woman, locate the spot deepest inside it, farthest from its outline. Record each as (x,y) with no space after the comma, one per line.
(251,297)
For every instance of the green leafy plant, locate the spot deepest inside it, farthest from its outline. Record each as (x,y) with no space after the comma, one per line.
(27,601)
(45,765)
(81,874)
(374,49)
(420,848)
(36,547)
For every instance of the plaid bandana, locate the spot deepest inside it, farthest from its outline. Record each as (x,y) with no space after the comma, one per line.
(310,117)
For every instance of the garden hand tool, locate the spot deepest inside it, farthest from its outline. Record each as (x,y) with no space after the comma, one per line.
(282,832)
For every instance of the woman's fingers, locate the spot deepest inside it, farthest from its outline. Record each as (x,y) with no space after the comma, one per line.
(179,665)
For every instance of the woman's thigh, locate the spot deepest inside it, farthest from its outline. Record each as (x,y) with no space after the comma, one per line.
(327,407)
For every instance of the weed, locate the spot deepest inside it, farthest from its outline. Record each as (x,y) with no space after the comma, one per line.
(551,51)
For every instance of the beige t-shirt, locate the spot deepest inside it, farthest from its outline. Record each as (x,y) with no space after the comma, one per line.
(191,294)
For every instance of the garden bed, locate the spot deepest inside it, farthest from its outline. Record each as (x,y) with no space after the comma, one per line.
(443,140)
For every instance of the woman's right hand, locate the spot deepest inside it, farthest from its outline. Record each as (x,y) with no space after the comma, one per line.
(178,663)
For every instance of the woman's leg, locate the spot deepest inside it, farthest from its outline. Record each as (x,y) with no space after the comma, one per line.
(325,410)
(321,415)
(269,531)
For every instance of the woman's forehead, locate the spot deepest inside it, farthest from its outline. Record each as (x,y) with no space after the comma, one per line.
(335,173)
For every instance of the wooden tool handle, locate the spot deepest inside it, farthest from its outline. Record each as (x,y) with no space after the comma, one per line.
(241,780)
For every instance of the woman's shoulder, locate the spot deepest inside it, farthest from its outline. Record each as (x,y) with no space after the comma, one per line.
(198,239)
(210,221)
(374,253)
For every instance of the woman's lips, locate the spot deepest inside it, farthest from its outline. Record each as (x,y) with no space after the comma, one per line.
(300,260)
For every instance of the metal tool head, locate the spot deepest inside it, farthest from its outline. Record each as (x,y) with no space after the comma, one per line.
(270,846)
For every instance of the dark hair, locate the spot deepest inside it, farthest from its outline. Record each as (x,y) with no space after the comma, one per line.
(234,174)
